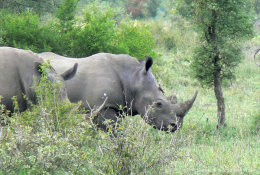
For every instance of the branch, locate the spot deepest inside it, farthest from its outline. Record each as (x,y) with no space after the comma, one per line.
(94,113)
(255,57)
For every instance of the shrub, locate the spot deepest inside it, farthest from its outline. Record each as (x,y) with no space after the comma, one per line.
(35,141)
(54,138)
(95,33)
(24,31)
(136,39)
(98,31)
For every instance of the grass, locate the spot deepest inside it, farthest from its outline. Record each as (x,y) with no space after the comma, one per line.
(233,156)
(206,150)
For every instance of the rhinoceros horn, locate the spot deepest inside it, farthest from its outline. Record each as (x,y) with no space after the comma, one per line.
(183,108)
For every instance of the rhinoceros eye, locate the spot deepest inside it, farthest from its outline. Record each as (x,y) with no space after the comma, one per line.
(159,104)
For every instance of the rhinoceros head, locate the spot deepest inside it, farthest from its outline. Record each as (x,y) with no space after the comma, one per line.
(60,79)
(153,106)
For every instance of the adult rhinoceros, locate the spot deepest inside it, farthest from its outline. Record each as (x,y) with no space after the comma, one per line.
(18,71)
(123,81)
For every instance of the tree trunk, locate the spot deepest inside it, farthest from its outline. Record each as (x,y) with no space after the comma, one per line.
(217,80)
(220,100)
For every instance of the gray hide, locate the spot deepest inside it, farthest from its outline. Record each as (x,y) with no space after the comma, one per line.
(17,71)
(124,81)
(173,99)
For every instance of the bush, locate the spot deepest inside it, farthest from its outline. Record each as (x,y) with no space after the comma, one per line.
(24,31)
(136,39)
(55,138)
(98,31)
(95,33)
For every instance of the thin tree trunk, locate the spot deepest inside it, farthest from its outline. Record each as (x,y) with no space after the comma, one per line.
(220,100)
(217,79)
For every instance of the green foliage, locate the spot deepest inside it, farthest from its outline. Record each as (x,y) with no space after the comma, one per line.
(54,138)
(222,25)
(204,69)
(24,31)
(98,31)
(66,14)
(95,33)
(136,39)
(185,8)
(64,27)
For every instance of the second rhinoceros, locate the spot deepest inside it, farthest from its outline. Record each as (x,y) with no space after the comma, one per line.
(19,71)
(113,81)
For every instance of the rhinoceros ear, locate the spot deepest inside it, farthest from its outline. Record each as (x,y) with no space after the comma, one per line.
(148,63)
(68,74)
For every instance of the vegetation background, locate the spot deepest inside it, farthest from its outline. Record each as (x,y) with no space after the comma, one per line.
(54,138)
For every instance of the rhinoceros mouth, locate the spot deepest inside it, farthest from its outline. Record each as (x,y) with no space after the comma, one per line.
(174,127)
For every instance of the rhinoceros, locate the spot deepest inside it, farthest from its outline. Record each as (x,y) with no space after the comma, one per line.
(19,69)
(115,81)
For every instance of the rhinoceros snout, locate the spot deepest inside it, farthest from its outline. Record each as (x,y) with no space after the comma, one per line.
(172,127)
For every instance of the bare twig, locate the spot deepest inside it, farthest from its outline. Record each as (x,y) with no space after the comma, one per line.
(94,112)
(255,57)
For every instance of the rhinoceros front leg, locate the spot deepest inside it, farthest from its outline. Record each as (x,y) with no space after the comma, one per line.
(106,118)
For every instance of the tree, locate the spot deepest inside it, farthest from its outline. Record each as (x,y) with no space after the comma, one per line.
(66,14)
(222,25)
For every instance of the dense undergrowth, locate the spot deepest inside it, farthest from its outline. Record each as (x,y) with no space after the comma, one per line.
(54,137)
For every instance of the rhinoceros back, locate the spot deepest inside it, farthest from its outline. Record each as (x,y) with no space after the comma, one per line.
(98,76)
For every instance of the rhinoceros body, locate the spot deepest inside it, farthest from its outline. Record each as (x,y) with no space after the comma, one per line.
(120,81)
(18,71)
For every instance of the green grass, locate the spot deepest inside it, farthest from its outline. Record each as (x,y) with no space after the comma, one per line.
(206,150)
(233,156)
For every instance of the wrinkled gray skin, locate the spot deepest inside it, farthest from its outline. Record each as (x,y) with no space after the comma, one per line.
(18,71)
(173,99)
(125,82)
